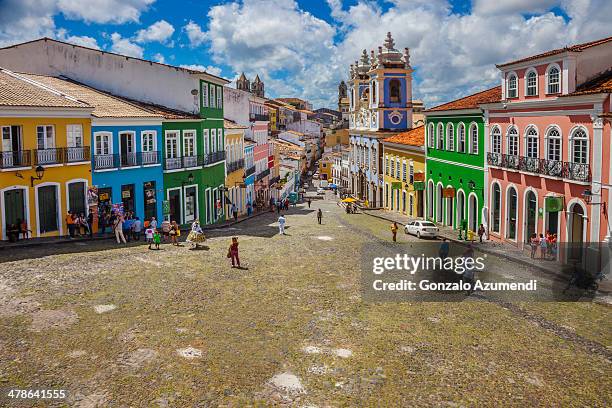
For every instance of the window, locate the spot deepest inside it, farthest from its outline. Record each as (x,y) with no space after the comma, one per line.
(450,137)
(172,146)
(431,135)
(554,80)
(387,166)
(512,142)
(461,138)
(440,145)
(392,167)
(512,86)
(219,138)
(404,171)
(474,139)
(532,143)
(189,143)
(219,97)
(411,172)
(148,141)
(206,142)
(398,175)
(74,136)
(373,86)
(103,143)
(212,96)
(204,95)
(394,91)
(531,83)
(553,150)
(45,137)
(580,147)
(496,207)
(496,140)
(213,140)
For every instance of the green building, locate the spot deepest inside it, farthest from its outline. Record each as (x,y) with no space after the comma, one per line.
(455,161)
(193,158)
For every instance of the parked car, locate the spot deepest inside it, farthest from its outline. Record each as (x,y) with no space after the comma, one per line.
(421,229)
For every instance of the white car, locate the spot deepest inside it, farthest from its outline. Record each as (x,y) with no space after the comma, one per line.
(320,191)
(421,229)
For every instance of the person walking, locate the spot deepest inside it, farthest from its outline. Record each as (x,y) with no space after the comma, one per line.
(394,231)
(235,212)
(118,229)
(543,246)
(156,239)
(149,232)
(102,223)
(444,249)
(153,223)
(90,222)
(481,231)
(281,225)
(319,216)
(534,242)
(165,230)
(309,201)
(232,252)
(137,228)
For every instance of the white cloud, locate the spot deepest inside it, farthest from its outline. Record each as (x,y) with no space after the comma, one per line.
(159,58)
(210,68)
(513,6)
(104,11)
(160,31)
(25,20)
(125,47)
(195,34)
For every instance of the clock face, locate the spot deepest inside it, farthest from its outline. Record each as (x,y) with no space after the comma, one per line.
(396,117)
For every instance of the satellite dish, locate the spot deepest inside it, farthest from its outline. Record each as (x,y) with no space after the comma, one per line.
(194,92)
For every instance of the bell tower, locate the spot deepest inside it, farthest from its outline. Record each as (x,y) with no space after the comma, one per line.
(257,87)
(242,83)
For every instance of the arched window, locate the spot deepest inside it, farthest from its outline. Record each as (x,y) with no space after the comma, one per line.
(531,83)
(474,139)
(512,148)
(461,138)
(430,134)
(440,145)
(512,86)
(496,208)
(580,147)
(553,84)
(450,137)
(395,90)
(511,213)
(373,86)
(496,140)
(553,148)
(532,142)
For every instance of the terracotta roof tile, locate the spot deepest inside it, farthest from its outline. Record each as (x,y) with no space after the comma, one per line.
(230,124)
(16,90)
(413,137)
(602,83)
(165,112)
(471,101)
(573,48)
(105,105)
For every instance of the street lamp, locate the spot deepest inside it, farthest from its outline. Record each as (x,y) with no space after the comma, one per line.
(472,185)
(40,172)
(189,180)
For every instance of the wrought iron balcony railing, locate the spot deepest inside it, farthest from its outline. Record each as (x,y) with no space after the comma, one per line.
(573,171)
(15,159)
(263,174)
(125,160)
(259,117)
(235,165)
(49,156)
(530,164)
(212,158)
(274,180)
(249,171)
(577,171)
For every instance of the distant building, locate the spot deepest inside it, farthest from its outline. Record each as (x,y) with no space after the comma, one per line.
(256,87)
(343,101)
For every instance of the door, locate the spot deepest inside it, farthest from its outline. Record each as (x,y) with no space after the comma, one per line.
(209,204)
(420,201)
(45,144)
(105,200)
(473,213)
(449,210)
(577,231)
(190,204)
(11,147)
(189,149)
(173,160)
(14,207)
(150,203)
(76,198)
(103,154)
(128,149)
(512,210)
(127,198)
(532,213)
(440,204)
(47,209)
(174,196)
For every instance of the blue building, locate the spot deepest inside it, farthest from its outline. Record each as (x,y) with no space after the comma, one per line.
(249,172)
(126,145)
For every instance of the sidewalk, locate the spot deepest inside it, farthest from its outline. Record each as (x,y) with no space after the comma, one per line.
(25,243)
(498,249)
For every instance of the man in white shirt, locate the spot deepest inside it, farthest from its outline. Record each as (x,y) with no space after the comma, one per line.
(281,225)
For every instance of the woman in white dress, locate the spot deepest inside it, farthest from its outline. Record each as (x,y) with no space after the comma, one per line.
(196,236)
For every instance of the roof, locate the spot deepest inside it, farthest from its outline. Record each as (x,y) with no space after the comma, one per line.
(105,105)
(572,48)
(413,137)
(164,111)
(601,83)
(471,101)
(16,90)
(189,70)
(230,124)
(295,132)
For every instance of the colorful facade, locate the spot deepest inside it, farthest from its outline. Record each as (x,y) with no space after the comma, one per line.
(234,166)
(455,177)
(404,172)
(45,168)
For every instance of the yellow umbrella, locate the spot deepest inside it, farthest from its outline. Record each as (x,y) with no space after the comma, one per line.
(349,200)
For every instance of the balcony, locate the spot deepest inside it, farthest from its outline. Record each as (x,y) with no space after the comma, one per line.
(273,180)
(554,168)
(185,162)
(235,165)
(249,171)
(254,117)
(263,174)
(212,158)
(15,159)
(78,154)
(49,156)
(126,160)
(106,161)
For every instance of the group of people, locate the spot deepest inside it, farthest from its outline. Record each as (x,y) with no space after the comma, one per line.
(17,229)
(78,224)
(280,205)
(547,245)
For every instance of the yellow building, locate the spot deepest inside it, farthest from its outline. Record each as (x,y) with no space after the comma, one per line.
(404,172)
(334,137)
(325,166)
(234,166)
(45,167)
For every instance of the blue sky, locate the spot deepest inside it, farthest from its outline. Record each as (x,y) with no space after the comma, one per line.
(303,48)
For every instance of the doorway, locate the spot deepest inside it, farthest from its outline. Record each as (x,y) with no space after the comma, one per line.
(12,155)
(128,198)
(76,198)
(150,200)
(473,213)
(576,224)
(47,209)
(460,208)
(440,203)
(532,215)
(14,207)
(449,210)
(128,149)
(512,206)
(190,204)
(174,197)
(420,203)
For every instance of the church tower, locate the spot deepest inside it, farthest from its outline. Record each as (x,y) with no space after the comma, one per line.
(243,83)
(257,87)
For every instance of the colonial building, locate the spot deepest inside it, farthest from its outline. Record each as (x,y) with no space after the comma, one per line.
(404,172)
(456,183)
(234,165)
(548,150)
(380,101)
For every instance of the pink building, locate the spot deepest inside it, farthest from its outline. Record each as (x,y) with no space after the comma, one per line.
(548,151)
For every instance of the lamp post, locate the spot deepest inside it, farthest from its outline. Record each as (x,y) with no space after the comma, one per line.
(189,180)
(40,172)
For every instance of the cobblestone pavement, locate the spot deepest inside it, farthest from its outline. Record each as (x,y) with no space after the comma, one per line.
(126,326)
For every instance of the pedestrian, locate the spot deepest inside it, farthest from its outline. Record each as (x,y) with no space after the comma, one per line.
(278,206)
(319,216)
(137,228)
(235,212)
(444,249)
(196,236)
(232,252)
(309,201)
(90,221)
(23,227)
(543,246)
(153,223)
(156,239)
(165,230)
(118,229)
(175,233)
(281,225)
(394,231)
(286,204)
(149,232)
(249,209)
(481,231)
(102,223)
(534,242)
(70,224)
